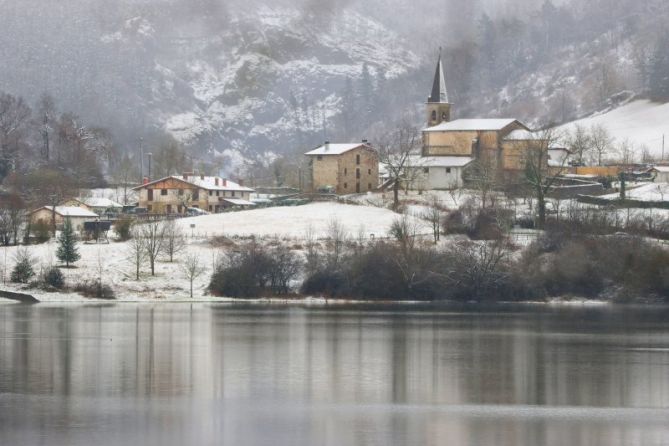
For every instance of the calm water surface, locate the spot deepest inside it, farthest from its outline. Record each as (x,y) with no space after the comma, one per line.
(209,375)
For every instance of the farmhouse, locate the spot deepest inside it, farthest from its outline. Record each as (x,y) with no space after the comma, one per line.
(77,216)
(345,168)
(176,194)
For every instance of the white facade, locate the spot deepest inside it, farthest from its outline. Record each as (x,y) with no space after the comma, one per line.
(438,172)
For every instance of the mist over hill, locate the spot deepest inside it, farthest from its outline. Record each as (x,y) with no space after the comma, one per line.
(252,77)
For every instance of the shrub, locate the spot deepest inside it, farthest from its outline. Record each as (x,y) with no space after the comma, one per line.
(95,289)
(41,231)
(123,228)
(53,277)
(23,269)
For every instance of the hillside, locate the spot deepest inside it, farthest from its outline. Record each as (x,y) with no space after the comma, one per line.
(642,122)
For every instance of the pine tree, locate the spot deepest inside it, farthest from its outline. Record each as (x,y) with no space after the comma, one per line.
(67,249)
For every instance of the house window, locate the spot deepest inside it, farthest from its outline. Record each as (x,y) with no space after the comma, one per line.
(149,208)
(211,208)
(345,185)
(357,159)
(426,170)
(369,171)
(218,193)
(211,193)
(345,171)
(233,193)
(448,170)
(181,192)
(163,191)
(196,194)
(357,173)
(150,191)
(319,157)
(369,186)
(357,188)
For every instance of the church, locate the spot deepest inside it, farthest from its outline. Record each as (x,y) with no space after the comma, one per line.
(451,146)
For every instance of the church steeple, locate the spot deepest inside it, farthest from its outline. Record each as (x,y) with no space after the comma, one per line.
(439,91)
(438,106)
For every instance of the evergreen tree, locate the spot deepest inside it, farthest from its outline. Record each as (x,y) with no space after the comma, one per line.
(67,245)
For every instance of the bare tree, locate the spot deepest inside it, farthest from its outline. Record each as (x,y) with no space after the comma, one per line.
(625,151)
(136,250)
(580,143)
(313,258)
(153,234)
(175,241)
(482,177)
(337,236)
(537,176)
(433,216)
(396,151)
(601,141)
(192,268)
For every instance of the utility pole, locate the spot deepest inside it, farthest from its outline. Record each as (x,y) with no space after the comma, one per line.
(662,147)
(149,155)
(141,161)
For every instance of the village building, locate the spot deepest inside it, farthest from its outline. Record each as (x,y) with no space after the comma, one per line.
(178,194)
(344,168)
(77,215)
(499,143)
(99,205)
(660,173)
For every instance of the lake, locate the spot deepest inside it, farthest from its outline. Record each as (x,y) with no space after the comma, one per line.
(180,374)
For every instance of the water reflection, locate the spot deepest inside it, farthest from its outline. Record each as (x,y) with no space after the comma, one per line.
(175,374)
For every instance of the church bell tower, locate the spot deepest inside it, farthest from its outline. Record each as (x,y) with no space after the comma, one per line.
(438,107)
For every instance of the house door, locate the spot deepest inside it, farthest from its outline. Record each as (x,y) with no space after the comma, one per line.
(150,191)
(357,188)
(169,208)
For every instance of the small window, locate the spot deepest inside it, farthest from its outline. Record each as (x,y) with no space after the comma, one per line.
(319,157)
(233,193)
(211,193)
(448,170)
(357,173)
(444,116)
(426,170)
(369,186)
(434,115)
(163,191)
(345,171)
(218,193)
(369,171)
(345,185)
(357,159)
(196,194)
(211,208)
(181,192)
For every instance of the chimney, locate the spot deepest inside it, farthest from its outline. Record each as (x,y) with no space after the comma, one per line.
(145,181)
(202,177)
(326,146)
(216,181)
(240,182)
(364,141)
(225,182)
(185,175)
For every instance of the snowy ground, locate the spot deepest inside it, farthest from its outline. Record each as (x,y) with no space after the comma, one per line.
(293,221)
(645,192)
(170,282)
(642,122)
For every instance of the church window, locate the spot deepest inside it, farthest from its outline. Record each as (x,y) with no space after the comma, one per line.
(434,115)
(444,116)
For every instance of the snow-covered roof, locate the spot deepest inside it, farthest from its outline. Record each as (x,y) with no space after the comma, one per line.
(70,211)
(523,135)
(239,202)
(203,181)
(441,161)
(663,169)
(334,149)
(100,202)
(463,125)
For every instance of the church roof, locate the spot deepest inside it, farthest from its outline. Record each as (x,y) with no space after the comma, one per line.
(472,125)
(439,93)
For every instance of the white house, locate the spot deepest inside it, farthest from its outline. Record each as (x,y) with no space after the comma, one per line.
(437,172)
(661,174)
(77,216)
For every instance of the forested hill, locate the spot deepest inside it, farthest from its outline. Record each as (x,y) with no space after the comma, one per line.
(252,77)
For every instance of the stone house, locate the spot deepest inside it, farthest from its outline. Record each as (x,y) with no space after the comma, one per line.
(344,168)
(77,215)
(175,194)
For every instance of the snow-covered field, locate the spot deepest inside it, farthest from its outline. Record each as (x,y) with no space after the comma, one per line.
(645,192)
(170,282)
(293,221)
(642,122)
